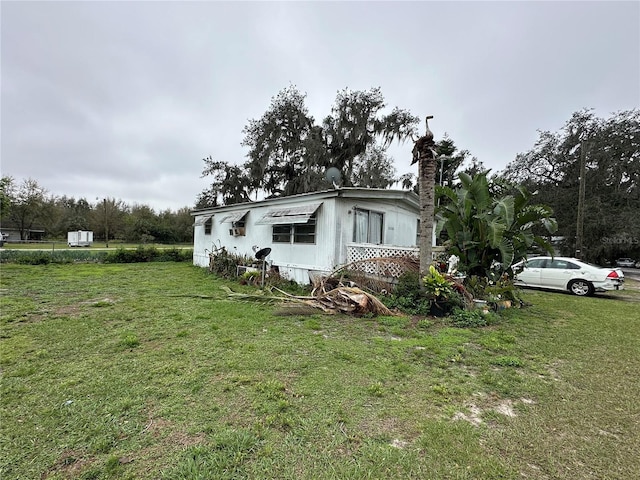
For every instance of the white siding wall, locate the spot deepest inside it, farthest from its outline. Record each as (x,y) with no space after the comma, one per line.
(399,228)
(294,260)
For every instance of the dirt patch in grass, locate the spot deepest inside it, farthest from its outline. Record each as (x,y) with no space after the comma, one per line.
(504,407)
(400,433)
(166,430)
(167,437)
(70,465)
(473,416)
(43,315)
(67,311)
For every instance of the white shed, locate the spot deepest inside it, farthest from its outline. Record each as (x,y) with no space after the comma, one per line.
(312,233)
(80,238)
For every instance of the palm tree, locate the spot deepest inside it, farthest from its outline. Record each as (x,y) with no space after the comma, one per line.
(425,154)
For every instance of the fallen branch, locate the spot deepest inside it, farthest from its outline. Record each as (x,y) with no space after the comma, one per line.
(349,300)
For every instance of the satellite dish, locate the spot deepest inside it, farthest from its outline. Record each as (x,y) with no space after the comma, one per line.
(263,253)
(333,176)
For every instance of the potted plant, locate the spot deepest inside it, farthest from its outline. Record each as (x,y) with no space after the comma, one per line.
(440,292)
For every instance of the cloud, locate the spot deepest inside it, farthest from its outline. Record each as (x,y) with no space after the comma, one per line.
(124,99)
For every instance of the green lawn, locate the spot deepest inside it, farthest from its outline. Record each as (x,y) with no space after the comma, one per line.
(134,371)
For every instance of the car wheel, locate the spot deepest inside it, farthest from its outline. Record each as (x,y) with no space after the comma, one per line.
(581,288)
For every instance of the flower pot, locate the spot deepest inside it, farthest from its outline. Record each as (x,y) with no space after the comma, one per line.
(503,304)
(440,308)
(482,305)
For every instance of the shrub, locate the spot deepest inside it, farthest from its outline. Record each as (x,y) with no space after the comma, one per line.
(486,289)
(121,255)
(437,286)
(34,258)
(408,285)
(141,254)
(476,286)
(251,277)
(175,255)
(468,318)
(224,264)
(148,254)
(407,296)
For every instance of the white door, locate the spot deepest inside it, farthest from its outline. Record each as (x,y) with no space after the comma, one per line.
(558,273)
(530,274)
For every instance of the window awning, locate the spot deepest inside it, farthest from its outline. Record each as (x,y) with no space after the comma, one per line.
(234,216)
(282,216)
(202,220)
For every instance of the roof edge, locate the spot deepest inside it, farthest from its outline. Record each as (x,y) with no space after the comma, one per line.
(347,192)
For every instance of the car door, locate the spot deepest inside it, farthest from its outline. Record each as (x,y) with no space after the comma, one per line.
(558,273)
(530,274)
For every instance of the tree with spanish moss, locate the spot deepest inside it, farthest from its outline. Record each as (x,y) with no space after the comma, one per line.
(289,151)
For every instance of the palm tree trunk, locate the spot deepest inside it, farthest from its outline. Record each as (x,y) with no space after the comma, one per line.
(426,182)
(424,153)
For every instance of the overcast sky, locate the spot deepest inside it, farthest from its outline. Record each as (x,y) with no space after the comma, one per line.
(124,99)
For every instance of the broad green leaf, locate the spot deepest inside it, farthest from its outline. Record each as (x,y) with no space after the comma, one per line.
(506,253)
(504,208)
(495,232)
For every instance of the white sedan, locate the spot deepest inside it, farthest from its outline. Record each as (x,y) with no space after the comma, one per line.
(562,273)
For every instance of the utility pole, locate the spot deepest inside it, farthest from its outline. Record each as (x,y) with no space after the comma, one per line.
(106,224)
(581,193)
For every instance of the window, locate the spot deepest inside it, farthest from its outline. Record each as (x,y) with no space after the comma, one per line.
(305,232)
(299,232)
(368,226)
(205,220)
(536,263)
(563,265)
(282,233)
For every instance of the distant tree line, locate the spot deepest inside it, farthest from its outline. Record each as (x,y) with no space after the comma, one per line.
(26,206)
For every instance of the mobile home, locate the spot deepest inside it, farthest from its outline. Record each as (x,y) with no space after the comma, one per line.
(312,233)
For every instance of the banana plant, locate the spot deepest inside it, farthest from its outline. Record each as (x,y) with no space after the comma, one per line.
(490,232)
